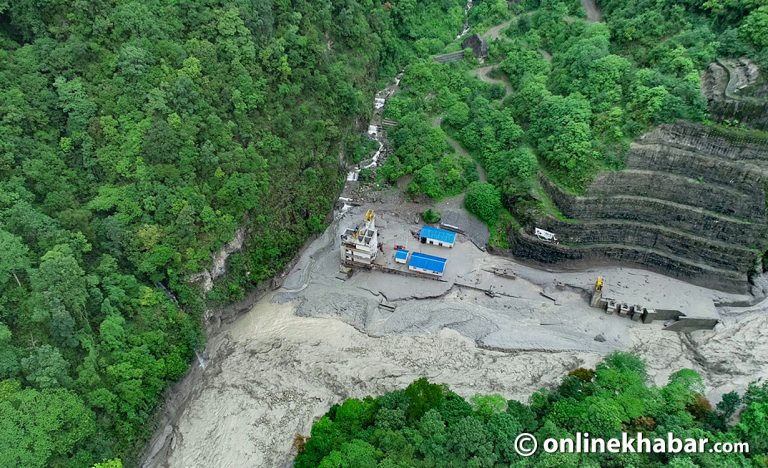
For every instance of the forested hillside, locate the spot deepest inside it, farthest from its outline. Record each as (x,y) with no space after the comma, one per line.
(576,94)
(135,138)
(427,425)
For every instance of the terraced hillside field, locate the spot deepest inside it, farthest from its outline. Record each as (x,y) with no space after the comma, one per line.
(690,204)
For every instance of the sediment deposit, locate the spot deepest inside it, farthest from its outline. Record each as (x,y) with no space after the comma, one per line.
(319,340)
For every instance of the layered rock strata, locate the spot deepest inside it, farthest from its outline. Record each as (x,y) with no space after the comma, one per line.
(690,204)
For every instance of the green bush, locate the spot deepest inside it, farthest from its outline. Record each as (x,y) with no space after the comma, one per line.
(483,200)
(430,216)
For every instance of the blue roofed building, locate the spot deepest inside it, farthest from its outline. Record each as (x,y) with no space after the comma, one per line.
(401,256)
(435,236)
(428,264)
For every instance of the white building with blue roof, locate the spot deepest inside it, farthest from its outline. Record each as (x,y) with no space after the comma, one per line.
(435,236)
(429,264)
(401,256)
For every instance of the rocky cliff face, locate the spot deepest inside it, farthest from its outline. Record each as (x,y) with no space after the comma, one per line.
(734,92)
(690,204)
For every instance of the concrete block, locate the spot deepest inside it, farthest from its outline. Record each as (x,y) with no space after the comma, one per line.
(596,296)
(649,315)
(611,307)
(691,324)
(624,310)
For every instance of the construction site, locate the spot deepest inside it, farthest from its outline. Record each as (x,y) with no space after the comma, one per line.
(382,298)
(339,329)
(376,301)
(447,256)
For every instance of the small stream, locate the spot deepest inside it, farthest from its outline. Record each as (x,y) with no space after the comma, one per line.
(375,130)
(466,19)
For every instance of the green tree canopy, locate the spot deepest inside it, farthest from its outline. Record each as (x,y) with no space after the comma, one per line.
(443,429)
(483,200)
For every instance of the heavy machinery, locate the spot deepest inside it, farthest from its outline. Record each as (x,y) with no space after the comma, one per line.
(597,294)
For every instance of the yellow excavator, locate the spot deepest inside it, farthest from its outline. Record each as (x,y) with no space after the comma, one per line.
(369,215)
(597,294)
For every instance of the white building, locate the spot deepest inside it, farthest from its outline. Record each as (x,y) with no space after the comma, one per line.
(360,244)
(435,236)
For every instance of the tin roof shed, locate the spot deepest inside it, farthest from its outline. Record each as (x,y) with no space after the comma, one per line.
(428,262)
(441,235)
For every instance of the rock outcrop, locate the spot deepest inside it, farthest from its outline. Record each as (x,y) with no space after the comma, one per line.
(219,262)
(691,204)
(477,44)
(734,92)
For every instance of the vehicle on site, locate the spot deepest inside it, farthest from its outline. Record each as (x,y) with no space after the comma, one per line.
(546,236)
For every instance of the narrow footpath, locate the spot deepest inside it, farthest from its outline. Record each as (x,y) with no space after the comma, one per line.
(483,73)
(460,150)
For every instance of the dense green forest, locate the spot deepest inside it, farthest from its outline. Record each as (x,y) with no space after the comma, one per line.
(135,138)
(427,425)
(581,92)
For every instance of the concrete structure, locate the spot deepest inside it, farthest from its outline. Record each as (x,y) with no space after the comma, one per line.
(450,57)
(428,264)
(435,236)
(700,313)
(624,310)
(360,245)
(401,256)
(649,315)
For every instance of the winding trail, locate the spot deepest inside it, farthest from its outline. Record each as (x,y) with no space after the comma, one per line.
(483,73)
(495,32)
(460,150)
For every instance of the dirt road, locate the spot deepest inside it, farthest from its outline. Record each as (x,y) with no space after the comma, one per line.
(458,148)
(483,73)
(495,32)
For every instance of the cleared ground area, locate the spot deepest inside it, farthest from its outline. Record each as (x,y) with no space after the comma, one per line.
(320,340)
